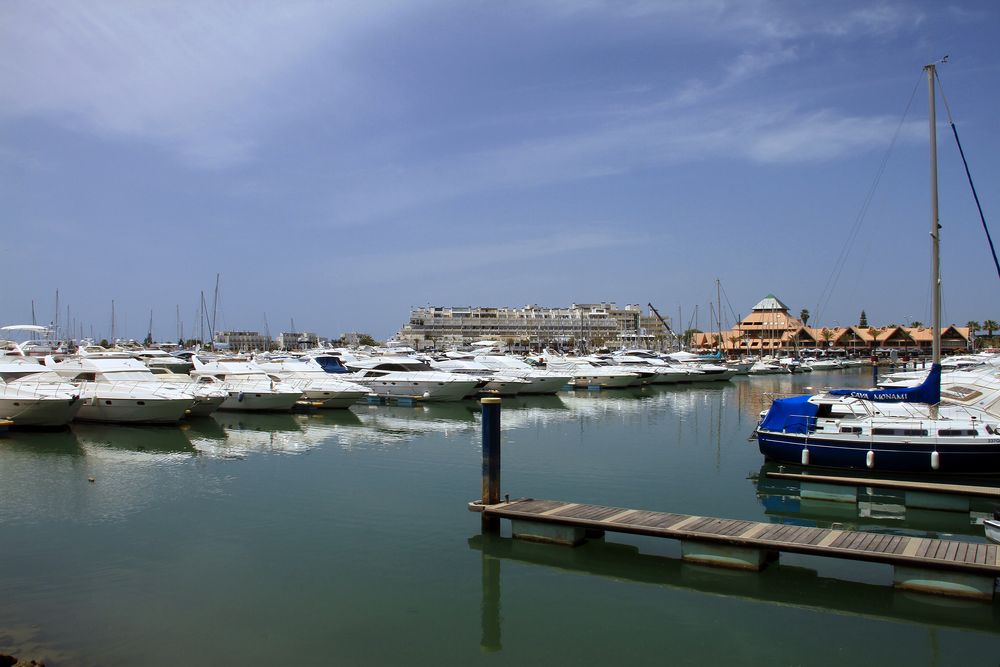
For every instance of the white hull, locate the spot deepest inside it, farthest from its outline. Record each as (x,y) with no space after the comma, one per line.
(134,410)
(427,390)
(260,401)
(206,405)
(40,411)
(544,385)
(605,381)
(332,399)
(992,528)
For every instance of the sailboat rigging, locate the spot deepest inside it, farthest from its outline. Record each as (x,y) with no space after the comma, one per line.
(894,430)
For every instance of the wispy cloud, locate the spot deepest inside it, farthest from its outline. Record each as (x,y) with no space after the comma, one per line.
(473,254)
(193,79)
(762,135)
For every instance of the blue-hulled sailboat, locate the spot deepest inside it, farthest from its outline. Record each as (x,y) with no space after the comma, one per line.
(898,430)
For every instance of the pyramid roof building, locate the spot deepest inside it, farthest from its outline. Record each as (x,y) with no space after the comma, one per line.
(770,302)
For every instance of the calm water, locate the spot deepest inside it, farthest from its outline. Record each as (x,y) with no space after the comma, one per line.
(343,538)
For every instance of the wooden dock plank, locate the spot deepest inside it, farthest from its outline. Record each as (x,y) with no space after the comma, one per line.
(955,555)
(589,512)
(977,553)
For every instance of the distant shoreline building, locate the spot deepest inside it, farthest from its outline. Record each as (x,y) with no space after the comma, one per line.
(771,330)
(297,340)
(242,341)
(588,325)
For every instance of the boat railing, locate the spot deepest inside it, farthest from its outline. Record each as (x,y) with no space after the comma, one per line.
(129,386)
(920,428)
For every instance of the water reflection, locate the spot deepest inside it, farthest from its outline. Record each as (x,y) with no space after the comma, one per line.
(876,509)
(778,585)
(255,432)
(120,441)
(61,442)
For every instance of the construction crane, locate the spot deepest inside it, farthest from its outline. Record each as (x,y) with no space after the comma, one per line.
(653,310)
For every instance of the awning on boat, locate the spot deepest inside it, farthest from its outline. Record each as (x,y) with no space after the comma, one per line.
(791,415)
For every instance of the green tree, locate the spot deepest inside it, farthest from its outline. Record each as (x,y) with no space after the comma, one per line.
(990,326)
(917,324)
(366,339)
(804,316)
(863,322)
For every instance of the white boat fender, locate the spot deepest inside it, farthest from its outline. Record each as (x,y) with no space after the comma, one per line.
(427,395)
(805,456)
(935,460)
(870,458)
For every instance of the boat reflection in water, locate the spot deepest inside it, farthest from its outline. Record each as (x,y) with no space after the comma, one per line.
(779,586)
(120,441)
(42,443)
(876,509)
(255,432)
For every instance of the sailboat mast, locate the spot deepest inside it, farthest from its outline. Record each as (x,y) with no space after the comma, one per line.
(935,227)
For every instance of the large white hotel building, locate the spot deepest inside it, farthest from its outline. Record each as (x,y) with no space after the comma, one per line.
(532,326)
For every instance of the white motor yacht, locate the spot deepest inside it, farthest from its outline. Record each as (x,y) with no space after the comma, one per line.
(322,389)
(664,371)
(117,388)
(408,377)
(154,358)
(826,364)
(763,367)
(586,374)
(539,380)
(31,395)
(498,383)
(248,386)
(207,397)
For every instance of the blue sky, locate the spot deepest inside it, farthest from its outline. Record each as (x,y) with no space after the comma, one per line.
(338,163)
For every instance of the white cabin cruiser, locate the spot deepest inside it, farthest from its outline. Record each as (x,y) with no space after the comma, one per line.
(498,383)
(586,374)
(539,380)
(408,377)
(31,395)
(154,358)
(248,386)
(664,371)
(117,388)
(322,389)
(762,367)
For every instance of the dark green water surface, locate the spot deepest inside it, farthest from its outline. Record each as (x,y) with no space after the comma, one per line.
(343,537)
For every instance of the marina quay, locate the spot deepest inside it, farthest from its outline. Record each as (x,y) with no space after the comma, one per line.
(489,334)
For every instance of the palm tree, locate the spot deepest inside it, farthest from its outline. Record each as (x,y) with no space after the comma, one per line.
(804,316)
(916,324)
(990,326)
(826,335)
(873,332)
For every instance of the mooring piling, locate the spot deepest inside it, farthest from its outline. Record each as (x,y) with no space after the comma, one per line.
(491,459)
